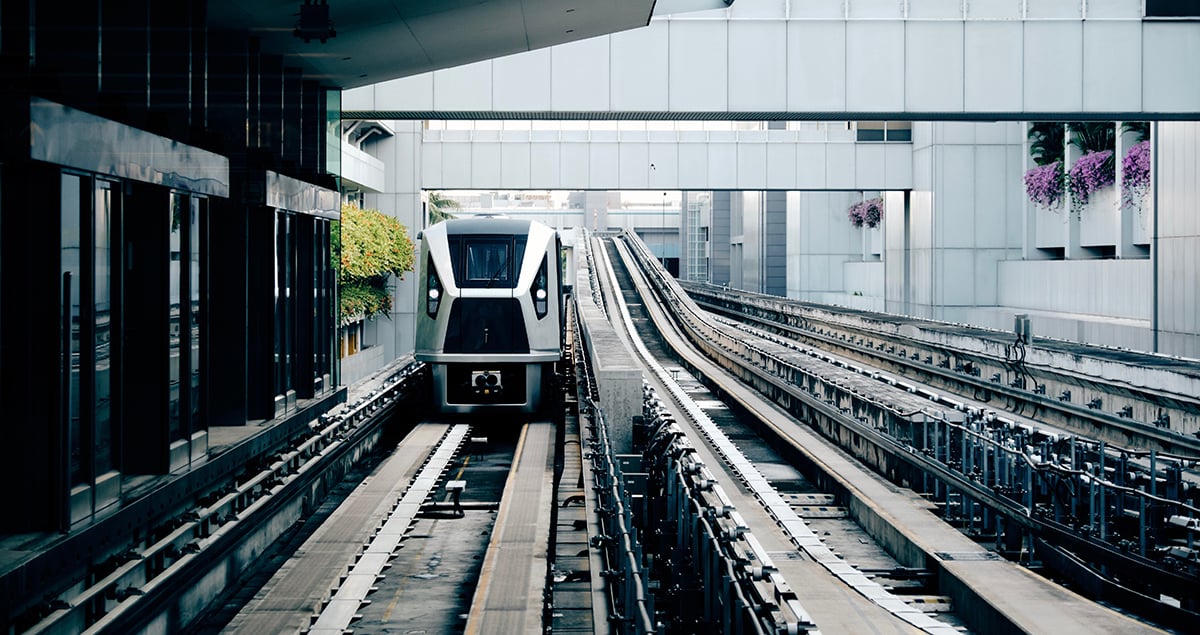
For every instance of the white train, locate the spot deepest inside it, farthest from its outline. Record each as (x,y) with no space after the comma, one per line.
(490,319)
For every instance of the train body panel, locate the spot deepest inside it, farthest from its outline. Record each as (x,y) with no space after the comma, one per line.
(490,317)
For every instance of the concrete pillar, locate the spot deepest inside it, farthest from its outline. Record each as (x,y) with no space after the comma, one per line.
(775,243)
(718,272)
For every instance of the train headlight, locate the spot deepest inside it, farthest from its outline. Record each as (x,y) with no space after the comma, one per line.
(540,284)
(433,298)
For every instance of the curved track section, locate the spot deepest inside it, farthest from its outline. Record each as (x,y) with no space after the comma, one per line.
(798,531)
(796,584)
(991,590)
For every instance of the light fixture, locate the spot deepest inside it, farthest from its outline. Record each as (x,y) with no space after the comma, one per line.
(314,22)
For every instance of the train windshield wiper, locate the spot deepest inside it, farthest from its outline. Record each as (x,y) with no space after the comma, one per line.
(503,266)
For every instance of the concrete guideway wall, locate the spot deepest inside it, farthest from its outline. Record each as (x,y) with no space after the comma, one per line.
(833,60)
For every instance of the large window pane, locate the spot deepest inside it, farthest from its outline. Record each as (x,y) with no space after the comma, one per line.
(195,324)
(285,247)
(71,265)
(106,451)
(180,213)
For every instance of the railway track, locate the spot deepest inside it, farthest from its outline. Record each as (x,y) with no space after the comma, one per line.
(1154,406)
(170,571)
(828,403)
(411,545)
(791,588)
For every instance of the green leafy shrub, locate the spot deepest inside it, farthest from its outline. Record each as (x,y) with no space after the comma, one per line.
(369,247)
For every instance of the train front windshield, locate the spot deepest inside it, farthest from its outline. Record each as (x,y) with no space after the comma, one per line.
(487,261)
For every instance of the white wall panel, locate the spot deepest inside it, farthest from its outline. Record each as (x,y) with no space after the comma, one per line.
(467,87)
(1015,194)
(698,65)
(992,66)
(514,165)
(1165,88)
(456,165)
(723,165)
(781,166)
(403,159)
(990,208)
(431,165)
(603,164)
(996,133)
(986,280)
(545,166)
(868,163)
(955,207)
(874,9)
(574,165)
(408,92)
(1053,66)
(1117,288)
(639,77)
(1054,9)
(1179,229)
(580,75)
(875,78)
(522,81)
(1112,9)
(486,164)
(758,9)
(693,166)
(810,166)
(757,59)
(665,159)
(751,166)
(933,66)
(954,132)
(935,9)
(956,276)
(897,166)
(816,69)
(994,10)
(823,9)
(1112,55)
(634,165)
(839,166)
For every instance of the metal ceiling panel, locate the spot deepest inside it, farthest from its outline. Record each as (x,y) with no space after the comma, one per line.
(378,40)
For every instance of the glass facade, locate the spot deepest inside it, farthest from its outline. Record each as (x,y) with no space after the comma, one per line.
(90,364)
(302,308)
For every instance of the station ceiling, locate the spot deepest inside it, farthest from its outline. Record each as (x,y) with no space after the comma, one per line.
(378,40)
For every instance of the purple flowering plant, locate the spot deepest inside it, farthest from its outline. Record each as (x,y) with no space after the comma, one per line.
(1091,172)
(1135,175)
(867,213)
(1044,185)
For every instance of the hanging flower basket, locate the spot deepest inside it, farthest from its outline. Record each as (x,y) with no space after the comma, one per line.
(867,213)
(1044,185)
(1093,171)
(1135,175)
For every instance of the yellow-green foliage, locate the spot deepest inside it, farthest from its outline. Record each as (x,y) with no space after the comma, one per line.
(372,246)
